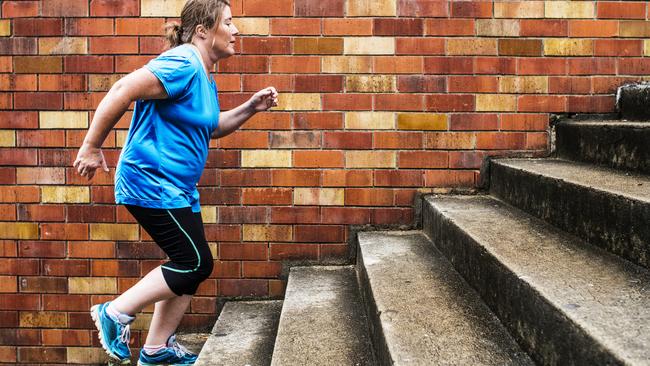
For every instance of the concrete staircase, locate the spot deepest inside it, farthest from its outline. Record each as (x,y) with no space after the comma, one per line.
(549,268)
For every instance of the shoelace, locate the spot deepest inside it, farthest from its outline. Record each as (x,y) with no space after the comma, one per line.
(179,350)
(126,334)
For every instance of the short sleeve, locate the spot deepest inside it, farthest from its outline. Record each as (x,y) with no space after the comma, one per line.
(174,72)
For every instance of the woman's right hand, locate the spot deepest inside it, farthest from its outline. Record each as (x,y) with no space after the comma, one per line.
(88,160)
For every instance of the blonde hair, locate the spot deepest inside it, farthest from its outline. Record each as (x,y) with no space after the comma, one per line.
(195,12)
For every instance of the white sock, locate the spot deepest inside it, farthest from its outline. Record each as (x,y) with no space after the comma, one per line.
(152,349)
(116,315)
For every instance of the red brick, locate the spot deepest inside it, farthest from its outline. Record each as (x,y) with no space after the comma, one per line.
(633,66)
(263,8)
(591,103)
(423,159)
(347,215)
(543,28)
(40,138)
(41,212)
(18,46)
(421,84)
(37,27)
(448,65)
(399,102)
(319,233)
(203,305)
(422,8)
(17,194)
(83,101)
(266,45)
(8,354)
(318,120)
(56,157)
(449,178)
(114,8)
(257,82)
(128,64)
(398,178)
(450,103)
(95,213)
(65,267)
(621,9)
(245,214)
(392,216)
(19,302)
(6,64)
(369,197)
(295,178)
(245,140)
(471,9)
(347,178)
(347,102)
(88,64)
(152,45)
(462,160)
(347,27)
(266,196)
(282,251)
(244,64)
(89,26)
(243,287)
(318,83)
(618,47)
(592,66)
(220,196)
(68,8)
(495,65)
(65,337)
(541,103)
(397,140)
(114,268)
(226,269)
(18,120)
(20,8)
(52,285)
(139,27)
(537,141)
(232,100)
(347,140)
(542,66)
(62,82)
(524,122)
(261,269)
(113,45)
(223,159)
(609,84)
(245,177)
(38,101)
(318,159)
(42,354)
(295,26)
(398,64)
(335,252)
(593,28)
(53,231)
(420,46)
(295,64)
(500,140)
(319,8)
(449,27)
(12,156)
(398,27)
(7,212)
(473,84)
(473,121)
(569,85)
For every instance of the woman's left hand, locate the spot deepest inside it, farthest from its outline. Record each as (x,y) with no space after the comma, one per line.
(264,99)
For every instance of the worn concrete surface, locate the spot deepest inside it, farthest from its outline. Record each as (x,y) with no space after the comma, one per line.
(618,144)
(322,320)
(423,312)
(632,101)
(606,207)
(566,301)
(243,335)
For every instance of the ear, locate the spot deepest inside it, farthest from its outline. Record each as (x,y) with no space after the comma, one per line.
(201,31)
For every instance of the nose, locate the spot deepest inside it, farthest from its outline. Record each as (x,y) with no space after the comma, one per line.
(235,31)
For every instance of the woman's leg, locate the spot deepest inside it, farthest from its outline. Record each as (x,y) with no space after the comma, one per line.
(152,288)
(167,315)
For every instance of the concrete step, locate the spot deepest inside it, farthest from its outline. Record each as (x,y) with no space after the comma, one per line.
(422,311)
(632,101)
(243,335)
(567,302)
(618,144)
(322,320)
(606,207)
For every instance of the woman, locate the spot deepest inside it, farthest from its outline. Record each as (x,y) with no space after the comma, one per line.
(175,115)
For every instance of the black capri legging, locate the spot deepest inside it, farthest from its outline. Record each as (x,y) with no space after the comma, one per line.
(179,233)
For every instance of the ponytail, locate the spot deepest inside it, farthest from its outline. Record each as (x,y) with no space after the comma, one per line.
(173,33)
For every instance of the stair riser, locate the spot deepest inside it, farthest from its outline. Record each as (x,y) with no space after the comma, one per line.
(618,147)
(540,328)
(611,222)
(377,337)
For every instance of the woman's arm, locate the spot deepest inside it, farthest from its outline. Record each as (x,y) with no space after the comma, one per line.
(140,84)
(231,120)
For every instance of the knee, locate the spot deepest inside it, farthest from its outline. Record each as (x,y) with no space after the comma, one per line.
(206,267)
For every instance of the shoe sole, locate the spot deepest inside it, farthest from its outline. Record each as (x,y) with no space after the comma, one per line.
(94,313)
(140,363)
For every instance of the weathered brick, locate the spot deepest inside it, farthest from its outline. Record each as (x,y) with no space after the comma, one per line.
(8,284)
(422,8)
(92,285)
(569,9)
(520,47)
(319,8)
(40,175)
(18,230)
(38,27)
(267,232)
(65,45)
(7,138)
(318,46)
(42,319)
(295,139)
(266,196)
(68,8)
(471,9)
(450,103)
(370,159)
(497,27)
(266,158)
(568,47)
(371,8)
(114,232)
(318,159)
(398,27)
(346,64)
(318,196)
(80,355)
(89,26)
(519,9)
(473,46)
(161,8)
(19,8)
(423,159)
(593,28)
(421,84)
(370,83)
(369,45)
(252,26)
(347,27)
(56,285)
(299,101)
(62,194)
(523,84)
(496,102)
(634,28)
(115,8)
(37,64)
(18,46)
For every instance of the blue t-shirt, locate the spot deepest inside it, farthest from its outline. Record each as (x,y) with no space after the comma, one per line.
(167,144)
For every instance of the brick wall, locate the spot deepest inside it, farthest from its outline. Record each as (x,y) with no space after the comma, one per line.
(379,99)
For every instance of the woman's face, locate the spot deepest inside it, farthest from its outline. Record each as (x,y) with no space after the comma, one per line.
(223,35)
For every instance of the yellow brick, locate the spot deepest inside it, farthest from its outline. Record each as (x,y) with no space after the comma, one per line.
(67,119)
(568,47)
(120,137)
(422,121)
(161,8)
(7,138)
(370,159)
(634,28)
(519,9)
(266,158)
(5,28)
(87,355)
(472,46)
(114,232)
(369,45)
(523,84)
(497,27)
(142,321)
(496,102)
(360,8)
(43,319)
(267,232)
(298,102)
(370,83)
(646,47)
(252,26)
(569,9)
(92,285)
(40,175)
(8,284)
(319,196)
(213,249)
(18,230)
(370,120)
(346,64)
(209,214)
(64,194)
(62,45)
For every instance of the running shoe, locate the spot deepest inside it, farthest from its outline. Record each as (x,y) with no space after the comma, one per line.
(173,354)
(114,334)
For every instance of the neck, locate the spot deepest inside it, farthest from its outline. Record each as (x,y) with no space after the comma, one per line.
(207,65)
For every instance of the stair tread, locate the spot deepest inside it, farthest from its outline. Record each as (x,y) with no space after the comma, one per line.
(631,185)
(322,320)
(243,334)
(428,313)
(609,123)
(603,294)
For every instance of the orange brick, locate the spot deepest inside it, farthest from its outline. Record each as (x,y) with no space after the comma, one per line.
(448,178)
(318,46)
(19,8)
(399,102)
(591,103)
(245,140)
(295,26)
(266,45)
(398,140)
(262,8)
(542,66)
(592,66)
(347,178)
(420,46)
(54,231)
(318,120)
(113,45)
(524,122)
(114,8)
(37,64)
(423,159)
(570,85)
(495,65)
(450,103)
(471,9)
(295,178)
(319,233)
(318,159)
(621,10)
(261,269)
(347,27)
(295,64)
(472,84)
(500,140)
(266,196)
(88,64)
(618,47)
(139,26)
(369,197)
(62,82)
(9,82)
(422,8)
(543,28)
(449,27)
(537,141)
(66,337)
(68,8)
(347,102)
(89,26)
(593,28)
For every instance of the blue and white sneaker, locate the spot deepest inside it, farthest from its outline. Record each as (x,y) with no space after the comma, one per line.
(114,334)
(174,354)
